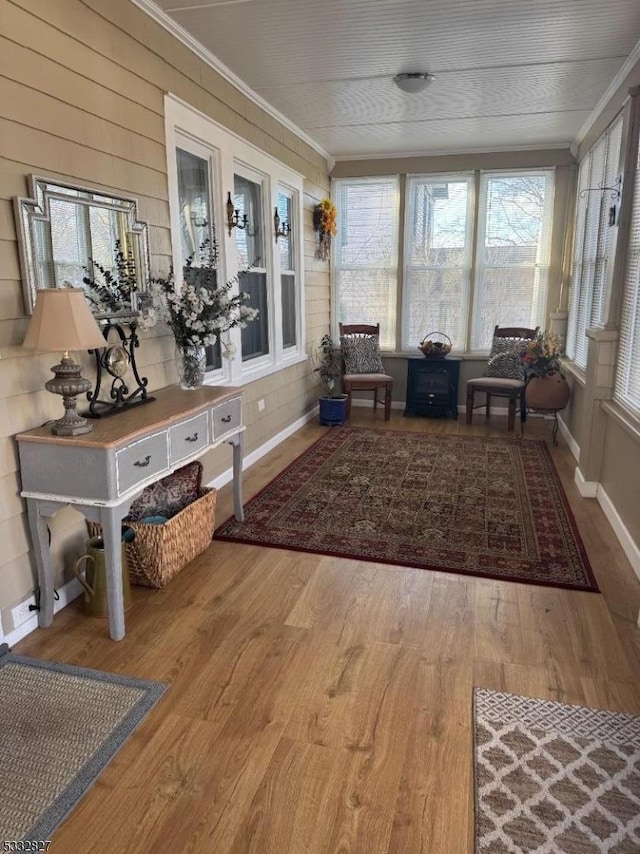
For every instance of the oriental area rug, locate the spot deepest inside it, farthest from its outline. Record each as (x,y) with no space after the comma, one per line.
(477,506)
(554,779)
(59,727)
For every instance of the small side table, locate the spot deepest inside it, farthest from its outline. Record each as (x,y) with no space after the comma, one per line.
(432,386)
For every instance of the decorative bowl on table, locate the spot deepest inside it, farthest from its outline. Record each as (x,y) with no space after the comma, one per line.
(435,345)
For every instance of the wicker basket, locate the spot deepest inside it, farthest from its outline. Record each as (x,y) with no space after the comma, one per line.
(159,552)
(435,345)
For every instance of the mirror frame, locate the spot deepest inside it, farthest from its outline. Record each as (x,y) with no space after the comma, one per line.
(35,208)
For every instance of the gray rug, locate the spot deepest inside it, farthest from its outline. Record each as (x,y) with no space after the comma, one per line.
(554,779)
(59,727)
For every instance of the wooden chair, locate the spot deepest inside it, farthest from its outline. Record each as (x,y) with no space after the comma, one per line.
(366,382)
(513,390)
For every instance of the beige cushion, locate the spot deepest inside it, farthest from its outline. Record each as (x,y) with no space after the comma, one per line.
(368,378)
(497,383)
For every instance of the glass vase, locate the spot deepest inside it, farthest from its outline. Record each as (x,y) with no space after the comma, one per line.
(191,365)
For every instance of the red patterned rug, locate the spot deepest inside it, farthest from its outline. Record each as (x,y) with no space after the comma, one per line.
(476,506)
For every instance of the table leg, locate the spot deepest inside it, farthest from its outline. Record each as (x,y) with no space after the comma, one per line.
(40,538)
(238,509)
(110,518)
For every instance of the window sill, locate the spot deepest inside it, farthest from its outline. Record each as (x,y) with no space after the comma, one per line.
(574,371)
(259,374)
(629,421)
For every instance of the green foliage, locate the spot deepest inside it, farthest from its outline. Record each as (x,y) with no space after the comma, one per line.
(326,363)
(109,292)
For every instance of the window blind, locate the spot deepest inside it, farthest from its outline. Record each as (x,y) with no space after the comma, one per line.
(438,241)
(365,257)
(513,252)
(627,388)
(592,241)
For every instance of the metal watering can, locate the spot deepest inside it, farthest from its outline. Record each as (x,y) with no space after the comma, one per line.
(95,577)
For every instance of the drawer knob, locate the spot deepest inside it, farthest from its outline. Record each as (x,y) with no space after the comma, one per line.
(193,438)
(143,463)
(431,395)
(226,420)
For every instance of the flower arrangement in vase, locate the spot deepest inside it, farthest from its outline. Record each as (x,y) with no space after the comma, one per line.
(112,291)
(201,312)
(324,222)
(546,388)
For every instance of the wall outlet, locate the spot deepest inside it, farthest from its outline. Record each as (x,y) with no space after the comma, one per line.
(21,612)
(261,405)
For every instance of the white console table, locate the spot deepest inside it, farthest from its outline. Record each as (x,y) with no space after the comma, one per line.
(102,472)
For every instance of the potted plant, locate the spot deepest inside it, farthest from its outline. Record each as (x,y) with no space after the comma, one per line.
(326,362)
(546,386)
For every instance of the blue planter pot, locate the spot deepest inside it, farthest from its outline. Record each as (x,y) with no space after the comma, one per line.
(333,410)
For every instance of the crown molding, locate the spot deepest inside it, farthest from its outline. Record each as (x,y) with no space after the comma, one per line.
(610,91)
(167,22)
(440,152)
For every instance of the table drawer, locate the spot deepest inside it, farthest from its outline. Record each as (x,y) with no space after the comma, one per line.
(227,416)
(189,437)
(142,460)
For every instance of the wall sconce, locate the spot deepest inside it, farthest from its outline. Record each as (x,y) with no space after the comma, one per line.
(278,230)
(234,220)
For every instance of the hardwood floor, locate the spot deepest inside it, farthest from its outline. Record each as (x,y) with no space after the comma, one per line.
(324,705)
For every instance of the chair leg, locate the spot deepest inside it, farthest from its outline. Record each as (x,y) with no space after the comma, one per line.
(487,413)
(469,405)
(375,399)
(387,402)
(511,423)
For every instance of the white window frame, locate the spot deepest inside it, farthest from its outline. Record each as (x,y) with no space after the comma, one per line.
(439,177)
(230,154)
(295,224)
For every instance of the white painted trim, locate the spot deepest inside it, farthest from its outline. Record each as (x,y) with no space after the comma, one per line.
(629,545)
(67,593)
(610,91)
(179,32)
(586,488)
(269,445)
(574,447)
(437,152)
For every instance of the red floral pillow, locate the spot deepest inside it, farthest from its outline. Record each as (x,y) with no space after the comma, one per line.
(169,495)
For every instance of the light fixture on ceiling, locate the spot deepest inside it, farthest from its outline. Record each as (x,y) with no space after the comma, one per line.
(412,82)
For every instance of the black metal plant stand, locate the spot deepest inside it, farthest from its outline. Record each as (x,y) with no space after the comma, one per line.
(113,361)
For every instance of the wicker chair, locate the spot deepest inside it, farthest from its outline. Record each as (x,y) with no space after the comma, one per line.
(366,382)
(512,389)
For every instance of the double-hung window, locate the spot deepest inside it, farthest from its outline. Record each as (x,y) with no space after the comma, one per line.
(437,260)
(627,388)
(593,240)
(451,282)
(207,165)
(365,256)
(513,252)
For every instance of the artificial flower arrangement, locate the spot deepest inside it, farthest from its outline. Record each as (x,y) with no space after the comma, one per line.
(542,354)
(324,222)
(202,310)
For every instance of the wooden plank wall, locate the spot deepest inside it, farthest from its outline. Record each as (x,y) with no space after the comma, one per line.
(82,84)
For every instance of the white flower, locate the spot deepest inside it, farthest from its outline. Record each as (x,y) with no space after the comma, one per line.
(229,350)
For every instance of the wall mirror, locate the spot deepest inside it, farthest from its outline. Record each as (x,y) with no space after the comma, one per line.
(67,233)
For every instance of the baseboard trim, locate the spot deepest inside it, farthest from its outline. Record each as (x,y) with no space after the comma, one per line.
(586,488)
(629,545)
(67,593)
(573,446)
(263,450)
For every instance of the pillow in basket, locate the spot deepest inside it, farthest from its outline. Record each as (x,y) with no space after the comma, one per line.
(170,495)
(361,354)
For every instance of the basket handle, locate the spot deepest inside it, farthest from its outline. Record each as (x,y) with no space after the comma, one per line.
(435,332)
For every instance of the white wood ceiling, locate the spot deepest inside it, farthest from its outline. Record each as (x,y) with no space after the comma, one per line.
(509,73)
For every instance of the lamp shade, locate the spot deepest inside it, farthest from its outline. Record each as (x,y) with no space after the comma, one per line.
(413,82)
(62,320)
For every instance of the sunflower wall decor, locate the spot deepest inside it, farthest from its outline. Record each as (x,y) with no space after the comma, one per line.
(324,222)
